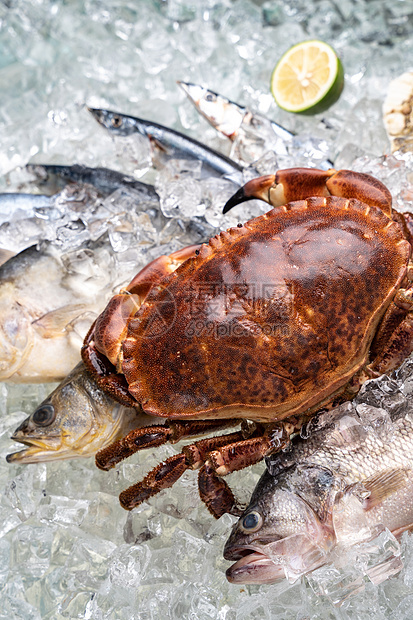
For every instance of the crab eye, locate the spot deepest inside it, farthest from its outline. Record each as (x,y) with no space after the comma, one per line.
(44,415)
(251,522)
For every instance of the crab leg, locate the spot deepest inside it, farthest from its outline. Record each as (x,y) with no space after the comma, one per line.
(214,492)
(217,456)
(301,183)
(156,435)
(167,473)
(161,477)
(399,344)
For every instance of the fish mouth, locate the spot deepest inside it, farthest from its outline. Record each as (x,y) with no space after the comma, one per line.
(35,452)
(193,91)
(252,566)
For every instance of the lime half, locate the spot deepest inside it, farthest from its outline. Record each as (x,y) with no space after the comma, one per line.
(308,78)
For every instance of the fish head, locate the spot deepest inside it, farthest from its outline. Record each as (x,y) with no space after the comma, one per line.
(117,123)
(221,113)
(76,420)
(280,534)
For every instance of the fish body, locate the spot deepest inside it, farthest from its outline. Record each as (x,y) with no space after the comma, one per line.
(11,202)
(76,420)
(19,207)
(26,218)
(105,180)
(342,486)
(168,140)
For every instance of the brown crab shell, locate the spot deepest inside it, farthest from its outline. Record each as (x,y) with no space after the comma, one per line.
(271,319)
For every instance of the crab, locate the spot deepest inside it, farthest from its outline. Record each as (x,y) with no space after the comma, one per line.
(260,328)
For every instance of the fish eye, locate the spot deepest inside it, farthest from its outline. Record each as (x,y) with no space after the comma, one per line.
(210,97)
(44,415)
(116,121)
(251,522)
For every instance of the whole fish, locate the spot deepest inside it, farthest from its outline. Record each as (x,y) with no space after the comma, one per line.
(171,142)
(79,426)
(341,487)
(240,123)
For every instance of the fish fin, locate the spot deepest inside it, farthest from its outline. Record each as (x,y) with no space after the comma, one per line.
(383,485)
(56,322)
(156,145)
(5,255)
(400,530)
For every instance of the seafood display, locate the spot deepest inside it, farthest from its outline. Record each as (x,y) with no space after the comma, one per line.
(68,547)
(287,299)
(329,496)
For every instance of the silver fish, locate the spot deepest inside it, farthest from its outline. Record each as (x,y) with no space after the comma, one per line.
(11,202)
(168,140)
(105,180)
(15,207)
(27,218)
(341,487)
(76,420)
(235,121)
(226,116)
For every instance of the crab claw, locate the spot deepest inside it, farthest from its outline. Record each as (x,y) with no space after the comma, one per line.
(294,184)
(256,188)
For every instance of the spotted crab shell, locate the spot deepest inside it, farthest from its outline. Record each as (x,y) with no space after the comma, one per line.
(270,319)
